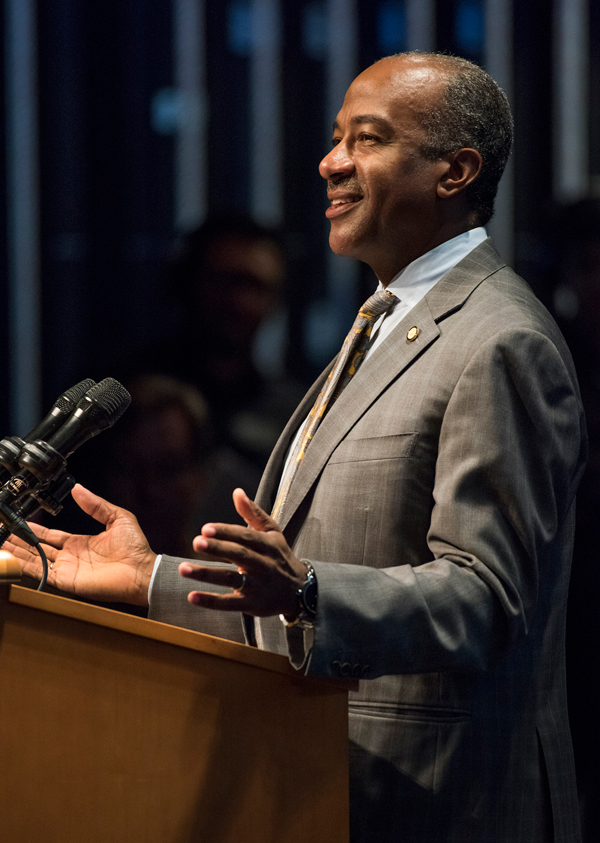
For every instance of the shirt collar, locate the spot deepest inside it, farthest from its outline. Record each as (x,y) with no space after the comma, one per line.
(416,279)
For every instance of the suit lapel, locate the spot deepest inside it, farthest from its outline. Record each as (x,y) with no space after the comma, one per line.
(386,364)
(265,496)
(452,291)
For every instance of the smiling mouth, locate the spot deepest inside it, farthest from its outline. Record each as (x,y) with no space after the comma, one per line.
(341,206)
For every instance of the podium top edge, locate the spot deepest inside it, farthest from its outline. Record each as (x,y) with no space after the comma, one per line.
(178,636)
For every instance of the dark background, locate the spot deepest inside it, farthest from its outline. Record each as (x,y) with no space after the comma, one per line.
(106,199)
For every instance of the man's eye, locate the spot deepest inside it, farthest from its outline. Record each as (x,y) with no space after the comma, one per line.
(365,136)
(335,141)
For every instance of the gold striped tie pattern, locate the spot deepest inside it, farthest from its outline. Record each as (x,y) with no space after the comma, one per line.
(345,367)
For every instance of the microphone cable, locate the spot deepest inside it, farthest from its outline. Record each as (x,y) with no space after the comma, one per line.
(44,559)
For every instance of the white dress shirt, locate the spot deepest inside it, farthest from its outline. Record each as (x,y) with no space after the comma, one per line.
(417,279)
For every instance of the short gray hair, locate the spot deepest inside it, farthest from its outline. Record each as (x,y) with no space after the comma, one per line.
(474,113)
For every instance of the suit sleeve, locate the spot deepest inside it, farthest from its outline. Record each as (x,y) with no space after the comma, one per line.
(169,604)
(508,462)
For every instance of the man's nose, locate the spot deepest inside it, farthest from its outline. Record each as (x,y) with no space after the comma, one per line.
(337,163)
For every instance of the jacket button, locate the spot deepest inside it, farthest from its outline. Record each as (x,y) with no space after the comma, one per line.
(366,668)
(346,669)
(356,670)
(336,666)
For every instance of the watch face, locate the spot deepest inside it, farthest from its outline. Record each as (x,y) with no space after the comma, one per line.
(309,596)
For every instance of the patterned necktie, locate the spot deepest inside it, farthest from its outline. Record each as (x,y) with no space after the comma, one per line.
(345,367)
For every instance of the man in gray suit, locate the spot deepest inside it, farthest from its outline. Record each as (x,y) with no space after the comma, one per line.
(433,508)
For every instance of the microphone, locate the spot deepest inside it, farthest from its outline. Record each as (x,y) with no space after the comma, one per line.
(41,461)
(99,409)
(11,446)
(61,410)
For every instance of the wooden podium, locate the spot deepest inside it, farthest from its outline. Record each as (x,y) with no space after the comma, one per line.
(117,729)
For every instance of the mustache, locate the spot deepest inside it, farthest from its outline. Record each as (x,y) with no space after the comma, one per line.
(350,185)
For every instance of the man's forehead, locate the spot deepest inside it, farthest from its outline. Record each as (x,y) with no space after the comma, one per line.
(403,69)
(398,79)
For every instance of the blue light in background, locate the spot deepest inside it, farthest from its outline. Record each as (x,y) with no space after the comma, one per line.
(470,27)
(315,31)
(239,27)
(391,27)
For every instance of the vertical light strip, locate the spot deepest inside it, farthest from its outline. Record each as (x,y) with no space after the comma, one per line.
(23,214)
(341,68)
(420,24)
(498,59)
(190,149)
(266,113)
(571,63)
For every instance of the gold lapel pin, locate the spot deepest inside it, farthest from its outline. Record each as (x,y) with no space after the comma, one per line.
(412,334)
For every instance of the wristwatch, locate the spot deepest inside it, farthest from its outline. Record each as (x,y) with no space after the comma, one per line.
(306,597)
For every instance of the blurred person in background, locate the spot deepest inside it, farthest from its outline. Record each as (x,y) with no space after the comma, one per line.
(224,286)
(162,463)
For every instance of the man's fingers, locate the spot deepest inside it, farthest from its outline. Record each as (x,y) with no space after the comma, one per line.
(228,577)
(235,602)
(19,549)
(252,514)
(231,543)
(228,541)
(99,509)
(236,551)
(52,538)
(28,557)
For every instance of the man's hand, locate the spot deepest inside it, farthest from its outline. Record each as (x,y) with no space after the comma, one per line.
(273,573)
(115,565)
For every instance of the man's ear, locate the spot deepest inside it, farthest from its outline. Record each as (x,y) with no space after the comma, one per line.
(464,166)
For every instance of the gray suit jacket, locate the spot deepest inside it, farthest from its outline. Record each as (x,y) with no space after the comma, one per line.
(441,484)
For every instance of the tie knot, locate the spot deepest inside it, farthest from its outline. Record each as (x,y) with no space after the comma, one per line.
(377,304)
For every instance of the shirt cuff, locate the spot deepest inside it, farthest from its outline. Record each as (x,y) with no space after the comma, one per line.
(155,569)
(300,643)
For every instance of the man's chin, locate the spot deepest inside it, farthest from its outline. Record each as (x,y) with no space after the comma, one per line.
(344,245)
